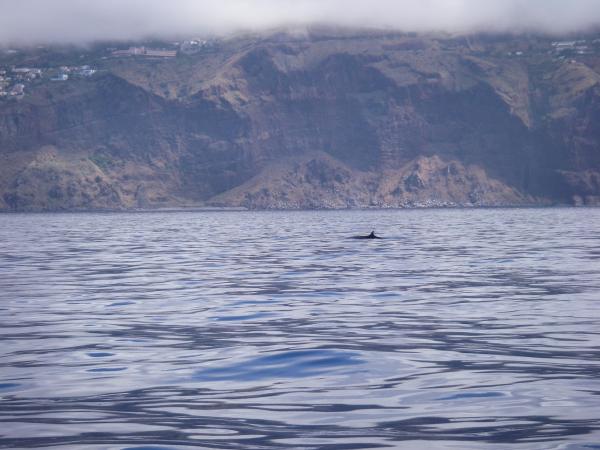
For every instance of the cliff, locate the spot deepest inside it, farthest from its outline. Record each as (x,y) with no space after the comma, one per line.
(322,120)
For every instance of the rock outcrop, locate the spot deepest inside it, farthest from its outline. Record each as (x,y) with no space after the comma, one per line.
(323,120)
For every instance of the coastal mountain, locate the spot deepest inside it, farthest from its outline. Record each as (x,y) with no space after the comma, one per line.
(325,119)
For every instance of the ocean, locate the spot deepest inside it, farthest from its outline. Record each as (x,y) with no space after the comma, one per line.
(461,329)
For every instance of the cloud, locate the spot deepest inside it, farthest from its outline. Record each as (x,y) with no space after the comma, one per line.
(84,21)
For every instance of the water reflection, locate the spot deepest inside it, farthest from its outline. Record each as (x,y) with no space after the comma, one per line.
(464,329)
(289,364)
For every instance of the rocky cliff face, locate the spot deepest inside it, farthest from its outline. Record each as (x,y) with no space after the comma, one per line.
(318,121)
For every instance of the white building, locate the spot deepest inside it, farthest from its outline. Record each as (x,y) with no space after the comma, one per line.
(18,90)
(87,72)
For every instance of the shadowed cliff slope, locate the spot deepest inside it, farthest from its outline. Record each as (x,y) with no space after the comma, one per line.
(317,121)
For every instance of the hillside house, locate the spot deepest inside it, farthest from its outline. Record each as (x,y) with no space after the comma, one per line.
(143,51)
(87,72)
(156,53)
(564,46)
(18,90)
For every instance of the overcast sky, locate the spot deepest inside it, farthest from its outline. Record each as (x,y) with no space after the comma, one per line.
(83,21)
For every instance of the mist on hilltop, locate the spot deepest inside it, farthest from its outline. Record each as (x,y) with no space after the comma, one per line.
(84,21)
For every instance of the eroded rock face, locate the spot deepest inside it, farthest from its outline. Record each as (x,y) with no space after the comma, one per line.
(320,121)
(320,181)
(49,182)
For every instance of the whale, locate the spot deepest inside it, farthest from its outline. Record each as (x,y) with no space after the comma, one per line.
(370,236)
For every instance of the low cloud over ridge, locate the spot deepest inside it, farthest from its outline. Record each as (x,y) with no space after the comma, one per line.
(84,21)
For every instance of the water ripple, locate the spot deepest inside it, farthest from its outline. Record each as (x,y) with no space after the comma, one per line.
(289,364)
(462,329)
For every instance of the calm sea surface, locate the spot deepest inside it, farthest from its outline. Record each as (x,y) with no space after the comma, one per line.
(463,329)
